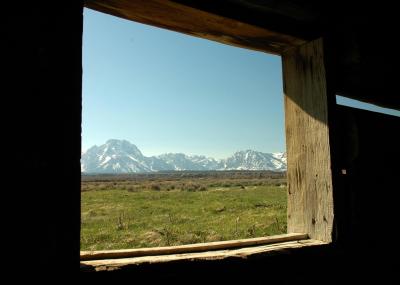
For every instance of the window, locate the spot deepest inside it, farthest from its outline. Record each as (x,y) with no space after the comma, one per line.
(365,106)
(310,205)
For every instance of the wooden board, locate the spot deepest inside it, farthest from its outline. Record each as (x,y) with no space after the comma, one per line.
(123,253)
(310,199)
(178,17)
(114,264)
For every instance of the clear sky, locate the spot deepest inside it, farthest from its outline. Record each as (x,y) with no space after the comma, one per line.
(169,92)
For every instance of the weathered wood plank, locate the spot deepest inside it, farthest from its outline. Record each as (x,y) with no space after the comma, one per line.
(310,199)
(124,253)
(113,264)
(181,18)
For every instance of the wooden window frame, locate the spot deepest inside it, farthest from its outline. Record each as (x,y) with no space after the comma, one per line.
(310,215)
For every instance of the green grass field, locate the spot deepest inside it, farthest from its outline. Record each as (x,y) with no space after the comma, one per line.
(113,219)
(120,218)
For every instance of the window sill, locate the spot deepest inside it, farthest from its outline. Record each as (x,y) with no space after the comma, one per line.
(117,259)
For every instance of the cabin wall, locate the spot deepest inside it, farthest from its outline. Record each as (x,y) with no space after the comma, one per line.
(367,147)
(42,142)
(41,133)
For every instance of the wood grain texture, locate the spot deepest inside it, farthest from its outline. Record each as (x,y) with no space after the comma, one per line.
(310,199)
(115,264)
(124,253)
(178,17)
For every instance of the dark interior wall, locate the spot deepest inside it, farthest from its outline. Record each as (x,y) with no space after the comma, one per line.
(41,117)
(368,149)
(364,54)
(41,129)
(366,145)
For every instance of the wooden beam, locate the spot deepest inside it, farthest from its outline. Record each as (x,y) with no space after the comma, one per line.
(304,11)
(115,264)
(310,199)
(181,18)
(124,253)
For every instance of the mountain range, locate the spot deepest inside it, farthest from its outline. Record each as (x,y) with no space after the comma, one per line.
(121,156)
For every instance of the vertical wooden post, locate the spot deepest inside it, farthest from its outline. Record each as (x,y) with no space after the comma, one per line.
(310,199)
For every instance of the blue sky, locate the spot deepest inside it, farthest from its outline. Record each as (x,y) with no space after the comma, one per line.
(340,100)
(169,92)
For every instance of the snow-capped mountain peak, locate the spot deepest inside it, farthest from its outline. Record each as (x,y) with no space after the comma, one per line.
(254,160)
(121,156)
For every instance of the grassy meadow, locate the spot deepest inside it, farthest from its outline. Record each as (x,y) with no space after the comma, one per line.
(132,211)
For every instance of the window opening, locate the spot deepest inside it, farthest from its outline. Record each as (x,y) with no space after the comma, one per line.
(183,139)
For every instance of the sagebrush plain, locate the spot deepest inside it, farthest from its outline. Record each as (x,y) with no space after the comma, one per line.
(175,208)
